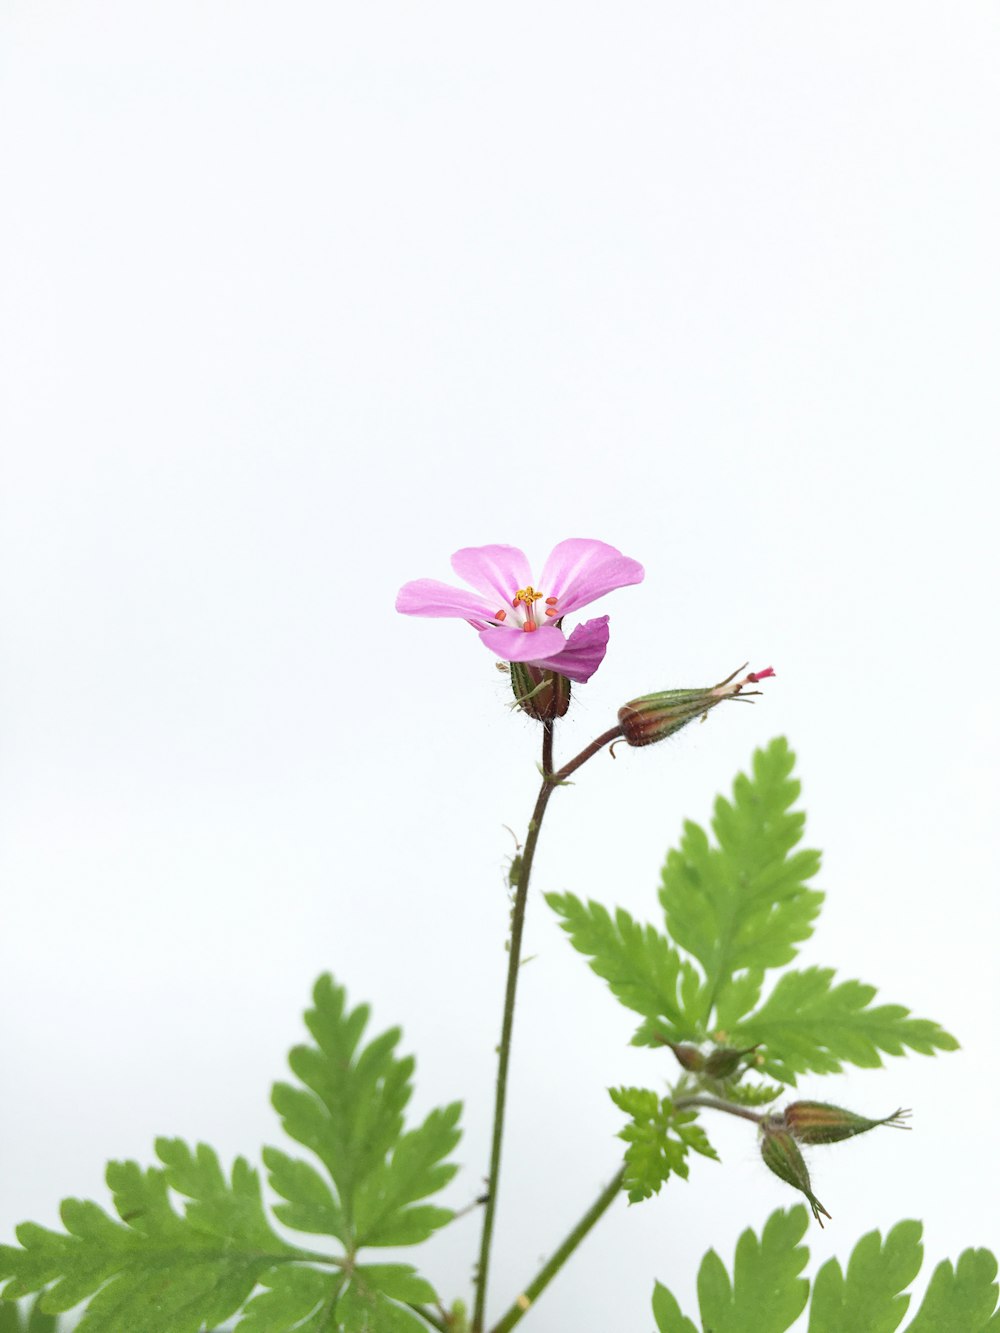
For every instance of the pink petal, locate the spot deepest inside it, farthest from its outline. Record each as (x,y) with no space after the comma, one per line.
(428,597)
(514,645)
(580,570)
(584,651)
(498,572)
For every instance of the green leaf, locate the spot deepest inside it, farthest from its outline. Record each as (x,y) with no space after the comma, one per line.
(809,1025)
(868,1298)
(963,1297)
(350,1114)
(743,904)
(641,966)
(19,1319)
(667,1313)
(298,1300)
(156,1270)
(659,1138)
(767,1293)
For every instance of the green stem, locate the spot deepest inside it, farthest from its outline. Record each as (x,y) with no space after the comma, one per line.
(545,1275)
(550,780)
(433,1319)
(513,967)
(717,1104)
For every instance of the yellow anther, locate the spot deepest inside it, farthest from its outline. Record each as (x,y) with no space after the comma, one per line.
(527,596)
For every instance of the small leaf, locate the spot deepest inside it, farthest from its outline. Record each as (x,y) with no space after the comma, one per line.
(659,1138)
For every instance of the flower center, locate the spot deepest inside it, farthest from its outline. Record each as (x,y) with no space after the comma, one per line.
(526,598)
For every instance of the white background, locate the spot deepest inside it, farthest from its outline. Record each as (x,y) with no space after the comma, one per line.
(297,300)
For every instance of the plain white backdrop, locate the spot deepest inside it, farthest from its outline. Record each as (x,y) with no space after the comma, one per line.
(296,300)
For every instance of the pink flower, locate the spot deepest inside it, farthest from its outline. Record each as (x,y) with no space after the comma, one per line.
(519,621)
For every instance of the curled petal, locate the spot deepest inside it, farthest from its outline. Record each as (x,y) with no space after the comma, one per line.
(514,645)
(495,571)
(580,570)
(584,651)
(428,597)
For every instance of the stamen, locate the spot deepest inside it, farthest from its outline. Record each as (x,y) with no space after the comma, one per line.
(500,615)
(551,611)
(529,626)
(527,596)
(551,601)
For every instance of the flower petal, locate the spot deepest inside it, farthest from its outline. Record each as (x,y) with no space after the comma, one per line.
(495,571)
(580,570)
(584,651)
(514,645)
(428,597)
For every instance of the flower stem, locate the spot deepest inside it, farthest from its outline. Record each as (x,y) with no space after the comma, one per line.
(545,1275)
(717,1104)
(587,753)
(513,967)
(550,780)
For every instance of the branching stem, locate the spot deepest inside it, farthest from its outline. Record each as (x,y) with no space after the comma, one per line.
(717,1104)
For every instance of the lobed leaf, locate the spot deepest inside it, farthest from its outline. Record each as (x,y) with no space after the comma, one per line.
(767,1294)
(156,1269)
(640,965)
(350,1114)
(659,1138)
(869,1296)
(809,1025)
(743,904)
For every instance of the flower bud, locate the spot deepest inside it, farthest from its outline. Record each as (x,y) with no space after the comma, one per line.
(782,1156)
(543,695)
(819,1122)
(654,717)
(688,1057)
(723,1062)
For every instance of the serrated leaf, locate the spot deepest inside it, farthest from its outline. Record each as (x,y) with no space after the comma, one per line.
(640,965)
(350,1114)
(157,1269)
(963,1297)
(868,1298)
(766,1293)
(743,903)
(659,1138)
(810,1025)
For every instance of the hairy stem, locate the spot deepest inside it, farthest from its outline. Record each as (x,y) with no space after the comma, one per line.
(513,967)
(545,1275)
(550,780)
(717,1104)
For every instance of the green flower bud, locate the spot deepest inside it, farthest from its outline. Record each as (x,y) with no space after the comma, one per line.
(541,694)
(654,717)
(819,1122)
(782,1156)
(723,1062)
(689,1057)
